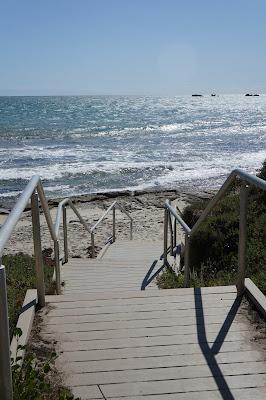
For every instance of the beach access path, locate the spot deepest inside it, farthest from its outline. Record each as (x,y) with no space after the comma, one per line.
(119,337)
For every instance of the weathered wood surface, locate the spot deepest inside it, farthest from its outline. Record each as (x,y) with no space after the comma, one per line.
(118,342)
(125,266)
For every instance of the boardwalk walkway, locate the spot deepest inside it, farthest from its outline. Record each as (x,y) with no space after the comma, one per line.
(120,342)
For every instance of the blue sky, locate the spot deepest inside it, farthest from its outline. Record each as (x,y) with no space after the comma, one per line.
(154,47)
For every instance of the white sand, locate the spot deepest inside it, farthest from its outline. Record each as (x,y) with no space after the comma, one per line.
(146,210)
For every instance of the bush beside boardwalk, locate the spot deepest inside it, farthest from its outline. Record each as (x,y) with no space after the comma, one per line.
(214,254)
(21,276)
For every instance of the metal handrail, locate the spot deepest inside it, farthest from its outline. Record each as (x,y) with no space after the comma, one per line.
(34,192)
(246,179)
(31,192)
(112,207)
(34,189)
(61,210)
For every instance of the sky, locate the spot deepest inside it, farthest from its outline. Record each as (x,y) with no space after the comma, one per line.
(134,47)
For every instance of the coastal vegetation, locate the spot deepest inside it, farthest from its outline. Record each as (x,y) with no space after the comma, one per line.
(20,276)
(214,254)
(37,377)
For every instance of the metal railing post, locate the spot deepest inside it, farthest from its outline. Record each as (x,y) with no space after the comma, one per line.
(187,269)
(174,233)
(131,229)
(93,255)
(166,216)
(171,235)
(65,235)
(6,391)
(242,238)
(114,224)
(57,267)
(35,213)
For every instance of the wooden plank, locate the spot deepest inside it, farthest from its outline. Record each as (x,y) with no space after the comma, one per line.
(191,333)
(188,305)
(158,330)
(162,374)
(134,343)
(159,293)
(101,272)
(105,282)
(152,299)
(237,394)
(175,350)
(136,323)
(175,386)
(25,321)
(256,296)
(144,314)
(93,393)
(143,363)
(102,288)
(70,342)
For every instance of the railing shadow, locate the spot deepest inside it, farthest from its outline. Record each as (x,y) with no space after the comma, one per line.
(151,275)
(209,352)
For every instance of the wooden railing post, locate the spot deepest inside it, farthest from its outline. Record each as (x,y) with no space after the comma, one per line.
(6,392)
(93,255)
(65,235)
(57,267)
(242,238)
(131,229)
(114,224)
(166,216)
(174,233)
(171,234)
(187,267)
(35,213)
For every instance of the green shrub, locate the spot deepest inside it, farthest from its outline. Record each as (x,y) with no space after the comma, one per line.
(33,379)
(214,247)
(20,276)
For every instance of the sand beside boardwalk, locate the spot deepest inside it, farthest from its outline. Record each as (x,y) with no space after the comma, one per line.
(146,209)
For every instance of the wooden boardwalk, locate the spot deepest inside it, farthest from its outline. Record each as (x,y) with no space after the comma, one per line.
(120,342)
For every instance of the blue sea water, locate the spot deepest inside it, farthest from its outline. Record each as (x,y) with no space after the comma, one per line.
(84,144)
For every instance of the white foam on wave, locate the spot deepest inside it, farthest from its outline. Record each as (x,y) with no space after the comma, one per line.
(57,171)
(164,173)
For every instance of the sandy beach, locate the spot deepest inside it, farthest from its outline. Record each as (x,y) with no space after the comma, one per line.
(146,209)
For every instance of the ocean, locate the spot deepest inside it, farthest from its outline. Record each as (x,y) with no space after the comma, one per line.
(88,144)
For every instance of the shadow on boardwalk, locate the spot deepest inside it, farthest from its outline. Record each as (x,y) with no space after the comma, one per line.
(151,274)
(209,352)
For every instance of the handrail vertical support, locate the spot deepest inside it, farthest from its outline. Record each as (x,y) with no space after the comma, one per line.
(114,224)
(93,255)
(166,216)
(187,269)
(174,233)
(65,235)
(131,229)
(242,238)
(6,391)
(171,235)
(35,213)
(57,267)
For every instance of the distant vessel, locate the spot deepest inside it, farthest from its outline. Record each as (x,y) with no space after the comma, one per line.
(256,95)
(213,94)
(248,95)
(197,95)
